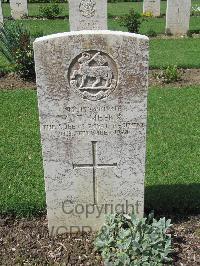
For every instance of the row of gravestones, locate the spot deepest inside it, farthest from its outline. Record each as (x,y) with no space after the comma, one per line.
(177,18)
(177,14)
(19,9)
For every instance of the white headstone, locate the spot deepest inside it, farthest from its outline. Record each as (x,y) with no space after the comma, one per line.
(88,15)
(152,6)
(19,8)
(178,16)
(1,14)
(92,92)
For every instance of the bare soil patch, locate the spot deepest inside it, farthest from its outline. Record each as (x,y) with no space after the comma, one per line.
(186,241)
(194,34)
(12,81)
(190,77)
(26,242)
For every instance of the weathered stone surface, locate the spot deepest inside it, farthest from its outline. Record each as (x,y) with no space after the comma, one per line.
(19,8)
(88,15)
(178,16)
(1,13)
(152,6)
(92,92)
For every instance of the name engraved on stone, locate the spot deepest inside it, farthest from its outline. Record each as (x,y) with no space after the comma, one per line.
(87,8)
(93,74)
(94,165)
(92,121)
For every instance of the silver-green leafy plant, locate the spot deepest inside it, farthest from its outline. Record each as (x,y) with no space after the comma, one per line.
(127,240)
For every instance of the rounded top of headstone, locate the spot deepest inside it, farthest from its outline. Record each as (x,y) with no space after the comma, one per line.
(91,32)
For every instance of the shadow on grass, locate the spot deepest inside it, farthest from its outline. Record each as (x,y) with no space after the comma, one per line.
(173,199)
(23,210)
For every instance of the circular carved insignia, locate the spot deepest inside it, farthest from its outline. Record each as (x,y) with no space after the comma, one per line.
(87,8)
(93,74)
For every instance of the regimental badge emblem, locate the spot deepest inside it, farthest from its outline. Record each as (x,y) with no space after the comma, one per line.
(87,8)
(93,74)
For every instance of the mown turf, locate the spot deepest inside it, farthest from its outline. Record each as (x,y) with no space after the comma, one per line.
(114,9)
(182,52)
(173,155)
(22,186)
(119,9)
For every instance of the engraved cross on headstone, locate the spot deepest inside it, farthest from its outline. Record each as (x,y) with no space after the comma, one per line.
(94,165)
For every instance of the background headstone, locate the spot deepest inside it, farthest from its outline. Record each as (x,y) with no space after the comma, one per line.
(19,8)
(92,92)
(1,13)
(88,15)
(152,6)
(178,16)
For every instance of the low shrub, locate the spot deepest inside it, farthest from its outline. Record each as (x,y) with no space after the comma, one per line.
(3,72)
(151,33)
(16,44)
(147,14)
(191,32)
(50,11)
(195,10)
(132,21)
(169,75)
(127,240)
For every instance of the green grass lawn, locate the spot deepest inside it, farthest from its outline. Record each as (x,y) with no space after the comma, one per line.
(22,186)
(182,52)
(155,24)
(173,171)
(114,9)
(173,155)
